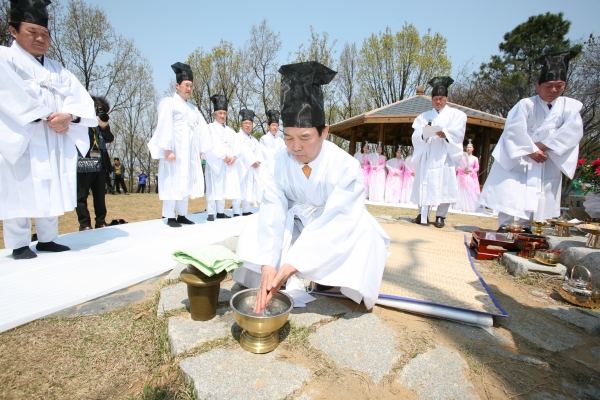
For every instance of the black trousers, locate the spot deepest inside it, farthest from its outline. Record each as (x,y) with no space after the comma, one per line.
(119,180)
(141,188)
(109,185)
(93,181)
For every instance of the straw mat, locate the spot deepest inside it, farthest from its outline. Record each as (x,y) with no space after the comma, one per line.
(435,267)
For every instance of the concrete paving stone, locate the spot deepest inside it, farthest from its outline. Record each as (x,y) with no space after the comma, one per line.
(591,323)
(185,334)
(175,297)
(360,342)
(438,374)
(386,217)
(475,333)
(466,228)
(175,272)
(582,392)
(238,374)
(316,312)
(550,336)
(520,266)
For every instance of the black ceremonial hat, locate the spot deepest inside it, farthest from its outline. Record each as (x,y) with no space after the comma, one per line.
(440,85)
(247,115)
(219,102)
(183,72)
(302,95)
(555,66)
(30,11)
(273,117)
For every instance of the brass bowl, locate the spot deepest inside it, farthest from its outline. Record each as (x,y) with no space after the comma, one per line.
(592,229)
(547,258)
(260,331)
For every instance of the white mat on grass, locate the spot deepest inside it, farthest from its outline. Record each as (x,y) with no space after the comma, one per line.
(100,262)
(481,213)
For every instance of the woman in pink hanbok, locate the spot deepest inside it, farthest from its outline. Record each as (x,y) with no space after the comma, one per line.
(468,183)
(377,177)
(408,178)
(393,182)
(363,159)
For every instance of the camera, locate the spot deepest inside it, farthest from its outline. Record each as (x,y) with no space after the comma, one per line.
(102,115)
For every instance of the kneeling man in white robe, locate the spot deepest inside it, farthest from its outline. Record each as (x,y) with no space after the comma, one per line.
(437,154)
(312,222)
(540,142)
(176,144)
(44,118)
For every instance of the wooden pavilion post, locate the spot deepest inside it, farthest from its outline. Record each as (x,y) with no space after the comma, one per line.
(485,155)
(382,134)
(352,141)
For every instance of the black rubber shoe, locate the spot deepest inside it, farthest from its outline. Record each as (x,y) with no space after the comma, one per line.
(211,217)
(183,220)
(51,247)
(248,213)
(23,253)
(173,224)
(236,215)
(222,215)
(439,222)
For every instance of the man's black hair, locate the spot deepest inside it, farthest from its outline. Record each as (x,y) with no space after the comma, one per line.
(320,129)
(101,103)
(116,159)
(16,25)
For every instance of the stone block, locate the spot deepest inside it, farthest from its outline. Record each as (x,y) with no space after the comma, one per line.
(186,334)
(238,374)
(316,312)
(360,342)
(438,374)
(590,322)
(520,266)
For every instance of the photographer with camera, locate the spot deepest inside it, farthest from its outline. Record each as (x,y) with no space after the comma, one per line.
(93,168)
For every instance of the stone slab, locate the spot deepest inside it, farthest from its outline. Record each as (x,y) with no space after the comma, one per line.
(534,328)
(520,266)
(575,240)
(175,272)
(438,374)
(588,321)
(360,342)
(475,333)
(512,356)
(175,297)
(186,334)
(238,374)
(317,311)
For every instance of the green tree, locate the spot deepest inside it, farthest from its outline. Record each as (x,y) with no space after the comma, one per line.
(511,75)
(5,37)
(393,65)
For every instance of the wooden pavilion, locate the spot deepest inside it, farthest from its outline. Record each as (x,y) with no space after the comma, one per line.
(392,125)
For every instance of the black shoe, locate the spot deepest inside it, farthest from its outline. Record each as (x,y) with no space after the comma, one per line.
(501,230)
(23,253)
(172,223)
(248,213)
(418,219)
(222,215)
(85,228)
(236,215)
(527,230)
(439,222)
(211,217)
(51,247)
(183,220)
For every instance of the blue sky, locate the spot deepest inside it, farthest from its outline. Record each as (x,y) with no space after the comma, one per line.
(168,31)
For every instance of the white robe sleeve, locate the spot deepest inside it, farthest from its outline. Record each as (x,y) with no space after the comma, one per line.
(163,134)
(78,102)
(455,135)
(564,141)
(324,241)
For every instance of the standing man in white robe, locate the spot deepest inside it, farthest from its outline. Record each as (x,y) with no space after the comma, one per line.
(176,144)
(221,150)
(312,221)
(270,143)
(44,118)
(540,142)
(250,160)
(436,157)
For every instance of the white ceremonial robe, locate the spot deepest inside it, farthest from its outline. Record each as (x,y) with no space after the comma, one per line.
(180,129)
(222,180)
(436,159)
(38,167)
(318,225)
(515,181)
(251,186)
(270,145)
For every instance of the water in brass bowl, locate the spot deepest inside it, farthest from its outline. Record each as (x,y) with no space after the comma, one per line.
(260,330)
